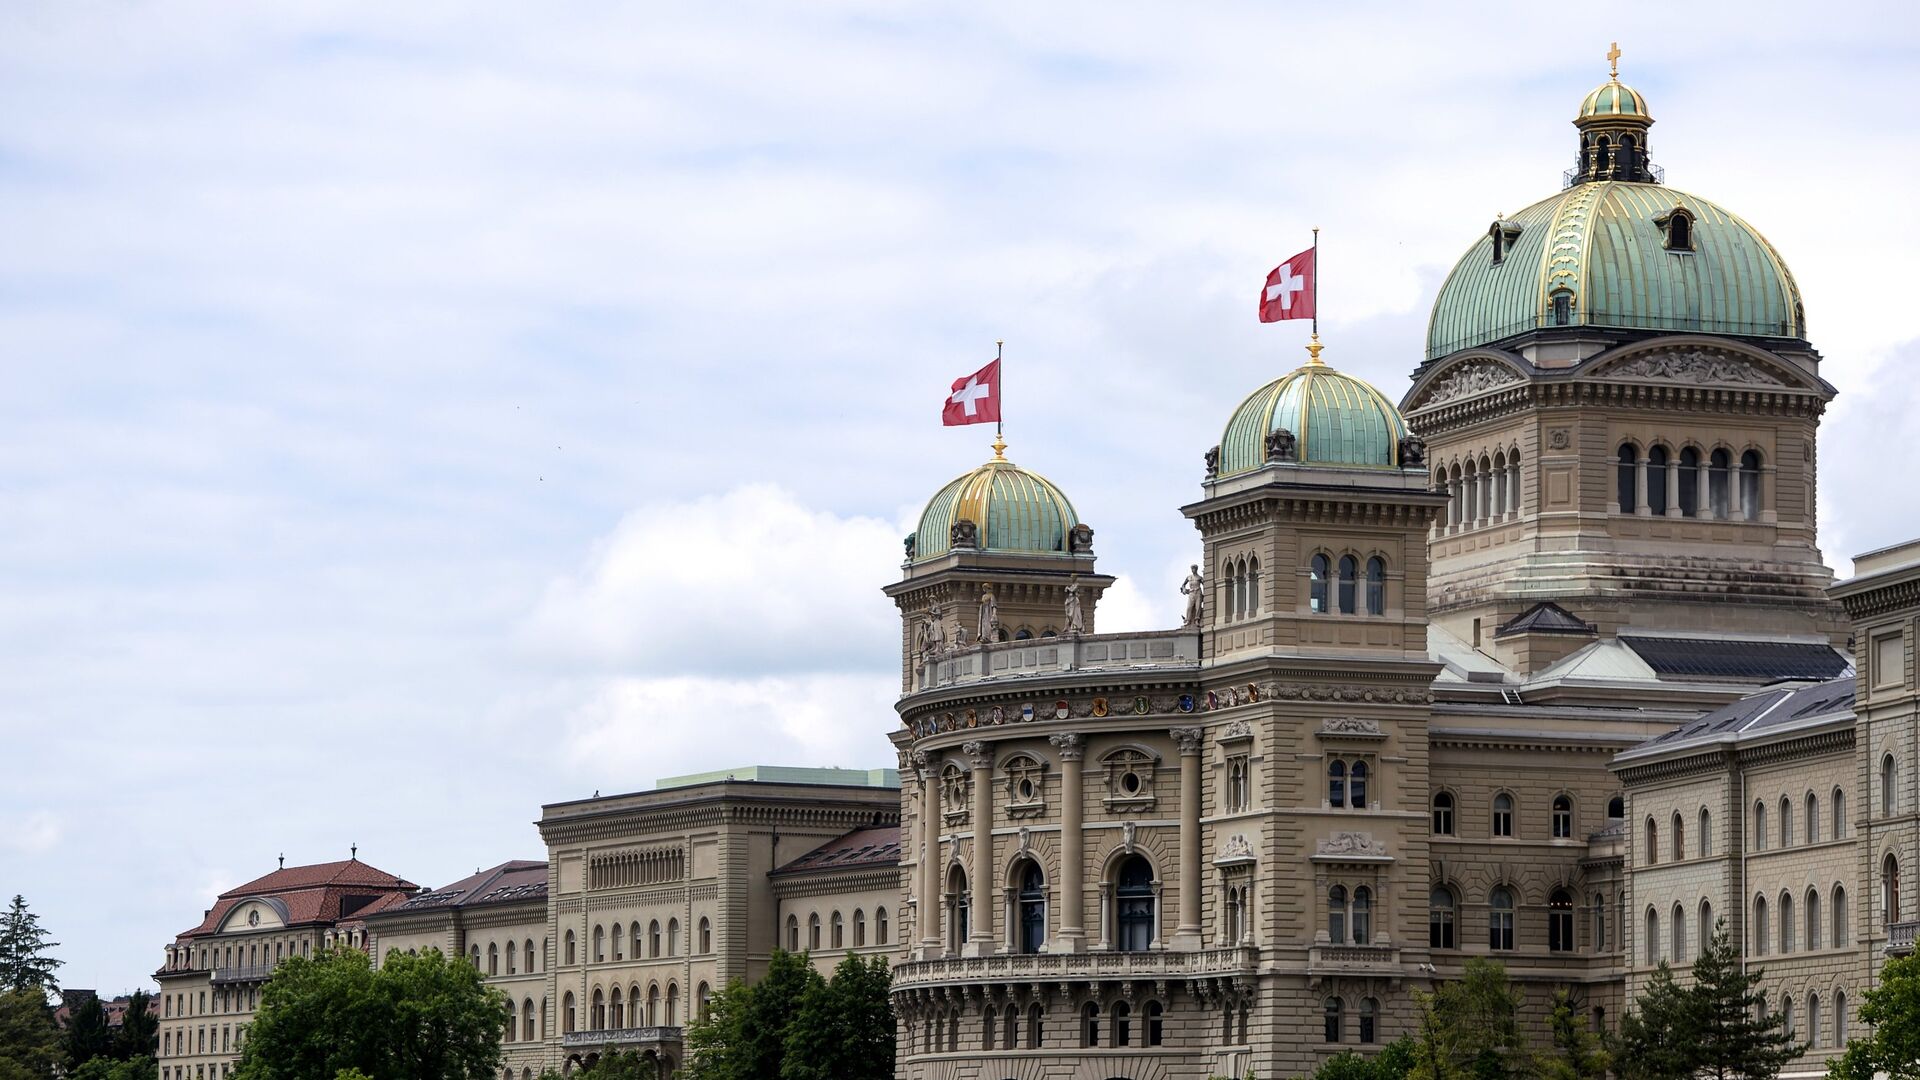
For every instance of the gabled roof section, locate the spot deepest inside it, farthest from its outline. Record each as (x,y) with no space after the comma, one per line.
(1744,660)
(321,893)
(1544,618)
(349,872)
(518,879)
(1766,712)
(858,850)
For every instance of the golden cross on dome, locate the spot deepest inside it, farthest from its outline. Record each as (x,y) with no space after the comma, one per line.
(1613,59)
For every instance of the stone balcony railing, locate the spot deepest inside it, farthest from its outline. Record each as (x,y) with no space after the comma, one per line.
(622,1036)
(1076,967)
(1353,960)
(1055,656)
(1900,938)
(248,973)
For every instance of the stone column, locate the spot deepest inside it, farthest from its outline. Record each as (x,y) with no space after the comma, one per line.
(1673,486)
(980,938)
(1736,508)
(1072,918)
(1513,488)
(929,913)
(1187,931)
(1702,489)
(1640,490)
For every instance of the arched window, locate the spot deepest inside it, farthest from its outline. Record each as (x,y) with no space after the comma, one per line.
(1813,919)
(793,933)
(1679,920)
(1813,818)
(1889,890)
(1787,1018)
(526,1021)
(1679,838)
(813,932)
(1839,802)
(1616,808)
(1337,914)
(1500,920)
(567,1017)
(1560,921)
(1813,1019)
(859,928)
(1320,568)
(1839,1018)
(473,955)
(1750,485)
(1010,1027)
(1134,913)
(1628,472)
(653,939)
(1440,913)
(493,958)
(1562,300)
(599,945)
(599,1010)
(1786,822)
(1705,842)
(1679,231)
(1705,928)
(1362,916)
(1155,1016)
(706,935)
(673,937)
(614,934)
(570,950)
(1762,930)
(1719,465)
(617,1015)
(1689,494)
(1349,572)
(1443,813)
(653,1004)
(879,926)
(1657,480)
(1599,923)
(673,1005)
(1336,783)
(1230,574)
(1376,586)
(1253,586)
(1334,1011)
(1503,814)
(1759,826)
(1653,842)
(700,998)
(1889,779)
(837,930)
(1357,785)
(1122,1023)
(1090,1024)
(1650,948)
(1033,909)
(529,950)
(1840,935)
(1562,817)
(1035,1019)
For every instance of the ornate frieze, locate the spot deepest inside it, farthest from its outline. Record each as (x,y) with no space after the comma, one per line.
(1236,851)
(1349,846)
(1694,366)
(1465,380)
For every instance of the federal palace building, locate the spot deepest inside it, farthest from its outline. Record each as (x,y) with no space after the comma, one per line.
(1540,663)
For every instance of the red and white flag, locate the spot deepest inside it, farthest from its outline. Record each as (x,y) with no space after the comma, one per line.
(975,398)
(1288,293)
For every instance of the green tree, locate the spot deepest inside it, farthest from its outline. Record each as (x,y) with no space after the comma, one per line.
(1735,1033)
(106,1068)
(24,962)
(87,1035)
(844,1029)
(139,1029)
(29,1039)
(744,1035)
(1656,1040)
(1471,1029)
(711,1039)
(1892,1045)
(622,1065)
(1577,1053)
(423,1017)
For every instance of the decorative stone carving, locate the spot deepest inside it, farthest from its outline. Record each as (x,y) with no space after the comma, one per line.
(977,750)
(1350,843)
(989,615)
(911,542)
(1236,851)
(1559,438)
(1186,738)
(1195,590)
(1126,836)
(1072,747)
(1281,445)
(1695,366)
(1080,539)
(963,534)
(1213,462)
(1349,725)
(1076,620)
(1026,840)
(1239,729)
(1472,377)
(1413,451)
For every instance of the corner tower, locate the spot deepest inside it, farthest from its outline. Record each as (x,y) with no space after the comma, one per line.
(1621,404)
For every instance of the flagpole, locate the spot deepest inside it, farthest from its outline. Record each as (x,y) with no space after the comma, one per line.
(999,436)
(1316,282)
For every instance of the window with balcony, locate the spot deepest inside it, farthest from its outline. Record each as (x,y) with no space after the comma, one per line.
(1500,920)
(1560,921)
(1134,905)
(1033,907)
(1441,909)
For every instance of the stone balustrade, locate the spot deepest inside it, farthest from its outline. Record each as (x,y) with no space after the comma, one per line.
(1353,960)
(1900,938)
(1076,967)
(622,1036)
(1054,656)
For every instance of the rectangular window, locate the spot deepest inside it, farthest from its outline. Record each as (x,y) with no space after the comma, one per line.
(1889,661)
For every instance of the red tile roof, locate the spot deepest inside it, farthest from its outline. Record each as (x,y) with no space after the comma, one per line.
(858,849)
(321,893)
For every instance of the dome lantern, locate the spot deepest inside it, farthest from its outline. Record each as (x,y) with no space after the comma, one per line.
(1613,123)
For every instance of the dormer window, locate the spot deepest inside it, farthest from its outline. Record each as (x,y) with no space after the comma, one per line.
(1562,300)
(1503,234)
(1678,224)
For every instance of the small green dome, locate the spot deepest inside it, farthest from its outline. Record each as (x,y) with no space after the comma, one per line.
(1614,100)
(1013,509)
(1600,254)
(1335,419)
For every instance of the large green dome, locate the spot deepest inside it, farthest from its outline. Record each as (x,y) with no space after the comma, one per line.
(1600,254)
(1011,508)
(1335,419)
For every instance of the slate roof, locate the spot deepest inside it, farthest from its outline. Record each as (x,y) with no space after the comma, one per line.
(319,893)
(859,849)
(1754,714)
(1544,618)
(1713,658)
(518,879)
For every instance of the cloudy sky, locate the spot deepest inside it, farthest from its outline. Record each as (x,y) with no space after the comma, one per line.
(414,413)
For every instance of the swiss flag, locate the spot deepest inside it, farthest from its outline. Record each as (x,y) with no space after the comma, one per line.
(975,398)
(1288,293)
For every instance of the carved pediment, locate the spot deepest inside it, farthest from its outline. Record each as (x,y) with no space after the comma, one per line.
(1352,727)
(1235,852)
(1464,379)
(1351,845)
(1696,367)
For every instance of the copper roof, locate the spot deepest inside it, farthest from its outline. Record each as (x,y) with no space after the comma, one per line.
(858,849)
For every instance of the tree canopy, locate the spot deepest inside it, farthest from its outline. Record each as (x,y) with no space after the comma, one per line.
(29,1041)
(794,1025)
(1470,1029)
(1719,1027)
(1892,1045)
(423,1017)
(24,960)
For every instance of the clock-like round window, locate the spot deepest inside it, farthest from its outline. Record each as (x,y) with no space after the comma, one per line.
(253,917)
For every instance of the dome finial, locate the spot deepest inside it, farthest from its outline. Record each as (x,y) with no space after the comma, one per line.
(1613,61)
(1313,351)
(999,447)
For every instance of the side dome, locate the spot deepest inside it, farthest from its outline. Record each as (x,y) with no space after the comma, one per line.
(1012,509)
(1614,100)
(1334,418)
(1614,253)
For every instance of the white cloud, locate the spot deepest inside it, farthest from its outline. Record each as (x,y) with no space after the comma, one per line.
(749,581)
(32,833)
